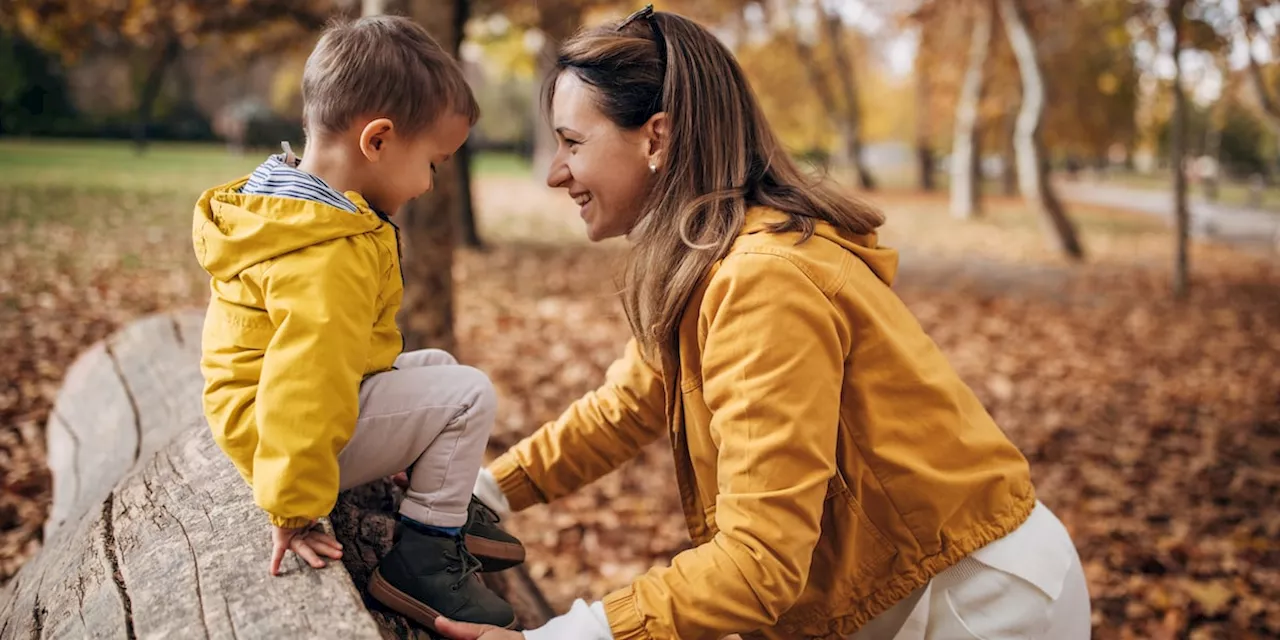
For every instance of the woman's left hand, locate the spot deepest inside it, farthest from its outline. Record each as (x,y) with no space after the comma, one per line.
(467,631)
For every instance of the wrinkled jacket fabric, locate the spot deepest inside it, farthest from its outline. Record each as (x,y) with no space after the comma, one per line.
(829,460)
(303,304)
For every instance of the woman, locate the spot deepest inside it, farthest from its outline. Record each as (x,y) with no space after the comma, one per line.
(838,478)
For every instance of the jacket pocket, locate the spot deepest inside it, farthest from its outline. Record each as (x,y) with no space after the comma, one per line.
(853,558)
(870,545)
(709,516)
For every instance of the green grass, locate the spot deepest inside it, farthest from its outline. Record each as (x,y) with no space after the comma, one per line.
(107,190)
(501,164)
(116,165)
(75,198)
(163,167)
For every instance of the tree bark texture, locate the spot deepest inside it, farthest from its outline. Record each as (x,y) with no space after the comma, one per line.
(1033,172)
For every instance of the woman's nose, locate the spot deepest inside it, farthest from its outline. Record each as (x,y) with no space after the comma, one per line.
(558,173)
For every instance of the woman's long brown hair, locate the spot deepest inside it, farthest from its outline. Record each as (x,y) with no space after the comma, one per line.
(721,158)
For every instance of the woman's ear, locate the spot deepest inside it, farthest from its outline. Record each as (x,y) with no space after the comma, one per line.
(658,132)
(374,137)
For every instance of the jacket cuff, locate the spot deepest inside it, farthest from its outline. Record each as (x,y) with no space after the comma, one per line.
(289,523)
(625,620)
(515,482)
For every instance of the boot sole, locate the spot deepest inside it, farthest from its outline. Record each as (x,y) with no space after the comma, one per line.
(494,555)
(405,604)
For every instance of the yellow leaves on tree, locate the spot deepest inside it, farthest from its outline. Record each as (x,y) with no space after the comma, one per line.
(792,106)
(71,27)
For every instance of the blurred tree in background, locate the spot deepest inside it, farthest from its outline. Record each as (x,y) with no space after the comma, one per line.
(1151,420)
(157,32)
(955,91)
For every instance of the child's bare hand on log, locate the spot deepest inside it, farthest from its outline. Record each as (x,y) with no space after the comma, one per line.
(308,542)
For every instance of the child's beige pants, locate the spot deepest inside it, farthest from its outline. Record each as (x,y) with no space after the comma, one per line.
(429,413)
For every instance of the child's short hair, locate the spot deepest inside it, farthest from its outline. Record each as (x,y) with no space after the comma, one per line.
(382,66)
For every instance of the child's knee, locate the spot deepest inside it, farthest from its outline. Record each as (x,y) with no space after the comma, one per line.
(433,357)
(426,358)
(481,390)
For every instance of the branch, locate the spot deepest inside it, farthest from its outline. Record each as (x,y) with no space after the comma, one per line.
(844,67)
(816,76)
(1255,70)
(245,20)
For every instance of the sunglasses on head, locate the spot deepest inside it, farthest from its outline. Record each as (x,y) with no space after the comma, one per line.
(647,15)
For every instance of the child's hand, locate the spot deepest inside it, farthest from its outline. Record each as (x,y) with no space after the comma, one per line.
(308,542)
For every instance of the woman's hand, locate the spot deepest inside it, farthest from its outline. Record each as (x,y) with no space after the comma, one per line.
(487,489)
(467,631)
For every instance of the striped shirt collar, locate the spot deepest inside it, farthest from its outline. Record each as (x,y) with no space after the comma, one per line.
(280,176)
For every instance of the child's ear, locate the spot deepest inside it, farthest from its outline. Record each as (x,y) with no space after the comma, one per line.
(374,137)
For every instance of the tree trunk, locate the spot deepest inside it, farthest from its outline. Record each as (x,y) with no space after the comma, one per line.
(544,139)
(820,86)
(469,231)
(926,165)
(150,90)
(153,534)
(975,173)
(966,191)
(1213,142)
(470,234)
(924,129)
(426,316)
(1212,149)
(1009,156)
(1178,149)
(1033,178)
(852,114)
(1270,107)
(556,21)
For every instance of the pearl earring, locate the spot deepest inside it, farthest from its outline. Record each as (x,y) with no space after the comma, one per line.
(653,168)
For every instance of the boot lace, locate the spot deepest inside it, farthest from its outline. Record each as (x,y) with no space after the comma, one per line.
(484,514)
(462,562)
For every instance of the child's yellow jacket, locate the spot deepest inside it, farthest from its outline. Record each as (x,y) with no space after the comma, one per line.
(303,306)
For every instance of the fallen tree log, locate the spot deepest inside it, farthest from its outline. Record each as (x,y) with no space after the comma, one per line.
(153,534)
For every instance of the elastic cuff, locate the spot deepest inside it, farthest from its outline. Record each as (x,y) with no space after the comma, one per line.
(289,523)
(515,482)
(625,620)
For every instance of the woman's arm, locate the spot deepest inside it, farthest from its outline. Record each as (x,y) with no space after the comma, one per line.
(594,436)
(772,375)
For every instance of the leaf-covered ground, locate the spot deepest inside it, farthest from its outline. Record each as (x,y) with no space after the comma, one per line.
(1153,426)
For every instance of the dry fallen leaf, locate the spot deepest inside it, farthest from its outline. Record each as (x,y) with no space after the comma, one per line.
(1213,597)
(1152,427)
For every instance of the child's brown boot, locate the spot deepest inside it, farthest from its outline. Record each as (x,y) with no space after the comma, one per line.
(427,575)
(495,548)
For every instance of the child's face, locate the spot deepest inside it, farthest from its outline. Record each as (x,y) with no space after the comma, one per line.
(403,168)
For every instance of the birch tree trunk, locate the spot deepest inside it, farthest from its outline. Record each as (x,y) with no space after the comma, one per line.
(966,189)
(1033,172)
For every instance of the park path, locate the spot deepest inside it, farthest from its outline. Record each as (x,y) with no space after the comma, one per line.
(1211,221)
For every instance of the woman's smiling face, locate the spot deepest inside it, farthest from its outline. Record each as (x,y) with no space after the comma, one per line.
(605,168)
